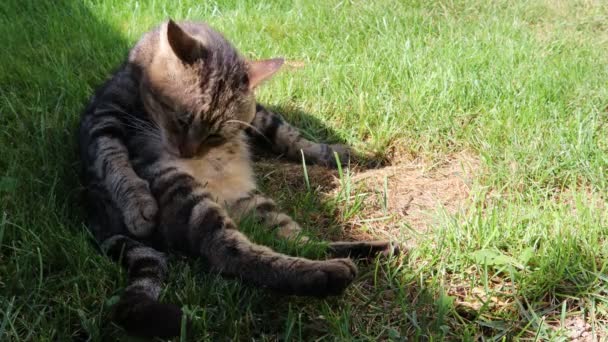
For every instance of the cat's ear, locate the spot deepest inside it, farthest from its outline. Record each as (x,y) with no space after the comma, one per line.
(185,47)
(260,71)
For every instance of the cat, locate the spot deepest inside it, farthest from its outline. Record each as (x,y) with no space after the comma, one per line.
(165,149)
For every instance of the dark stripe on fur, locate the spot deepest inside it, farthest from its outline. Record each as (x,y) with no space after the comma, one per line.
(212,221)
(271,130)
(146,267)
(120,248)
(159,186)
(175,193)
(108,131)
(164,172)
(265,207)
(243,199)
(185,210)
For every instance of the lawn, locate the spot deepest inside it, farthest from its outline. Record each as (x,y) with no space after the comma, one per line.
(490,116)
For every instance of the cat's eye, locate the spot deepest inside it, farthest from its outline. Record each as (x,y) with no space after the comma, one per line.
(160,101)
(214,139)
(183,121)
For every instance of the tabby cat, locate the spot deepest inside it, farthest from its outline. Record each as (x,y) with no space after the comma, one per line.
(165,149)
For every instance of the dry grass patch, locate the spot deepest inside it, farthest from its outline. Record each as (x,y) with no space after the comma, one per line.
(387,202)
(552,20)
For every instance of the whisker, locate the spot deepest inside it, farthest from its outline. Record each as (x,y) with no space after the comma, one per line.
(147,128)
(245,124)
(150,123)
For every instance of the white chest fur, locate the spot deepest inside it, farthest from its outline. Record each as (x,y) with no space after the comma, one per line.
(225,171)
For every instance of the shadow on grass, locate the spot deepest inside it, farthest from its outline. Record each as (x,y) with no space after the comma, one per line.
(54,54)
(314,129)
(53,283)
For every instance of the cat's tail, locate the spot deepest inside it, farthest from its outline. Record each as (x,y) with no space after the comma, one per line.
(138,310)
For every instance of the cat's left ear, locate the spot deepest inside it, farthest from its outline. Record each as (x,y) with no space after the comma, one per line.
(186,48)
(259,71)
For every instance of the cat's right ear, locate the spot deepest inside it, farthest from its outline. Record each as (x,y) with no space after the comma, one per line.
(186,48)
(259,71)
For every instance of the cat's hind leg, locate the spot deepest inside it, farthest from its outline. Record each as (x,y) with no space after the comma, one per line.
(102,140)
(138,309)
(192,223)
(266,211)
(233,254)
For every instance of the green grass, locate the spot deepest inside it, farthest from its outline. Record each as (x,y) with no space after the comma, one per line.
(521,85)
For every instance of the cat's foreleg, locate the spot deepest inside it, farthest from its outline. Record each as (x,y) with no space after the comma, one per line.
(271,131)
(109,162)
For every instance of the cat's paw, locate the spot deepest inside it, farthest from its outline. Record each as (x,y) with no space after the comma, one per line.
(343,153)
(291,230)
(364,249)
(347,154)
(326,278)
(392,250)
(140,213)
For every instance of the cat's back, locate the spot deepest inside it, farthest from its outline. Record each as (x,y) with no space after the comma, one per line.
(117,102)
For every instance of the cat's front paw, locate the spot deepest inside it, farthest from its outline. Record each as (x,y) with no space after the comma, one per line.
(348,155)
(140,213)
(326,278)
(328,159)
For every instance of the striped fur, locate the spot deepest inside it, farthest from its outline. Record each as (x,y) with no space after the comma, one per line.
(165,146)
(273,133)
(267,212)
(138,307)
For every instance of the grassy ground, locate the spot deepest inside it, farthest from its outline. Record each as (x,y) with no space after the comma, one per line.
(520,86)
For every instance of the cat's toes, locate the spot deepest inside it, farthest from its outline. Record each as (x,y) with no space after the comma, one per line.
(364,249)
(292,231)
(328,278)
(329,158)
(392,249)
(383,248)
(340,273)
(348,155)
(140,216)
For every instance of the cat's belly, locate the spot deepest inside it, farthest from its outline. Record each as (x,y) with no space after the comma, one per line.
(227,176)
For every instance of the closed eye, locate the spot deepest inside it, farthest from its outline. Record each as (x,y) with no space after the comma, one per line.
(214,139)
(163,104)
(183,121)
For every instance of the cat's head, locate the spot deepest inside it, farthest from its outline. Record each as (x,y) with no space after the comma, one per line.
(198,89)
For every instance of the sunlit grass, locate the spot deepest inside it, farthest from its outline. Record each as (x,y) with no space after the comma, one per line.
(521,85)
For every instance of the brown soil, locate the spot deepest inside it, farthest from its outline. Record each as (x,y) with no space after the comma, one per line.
(407,196)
